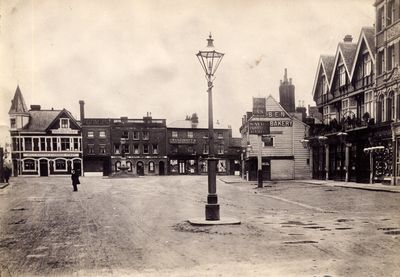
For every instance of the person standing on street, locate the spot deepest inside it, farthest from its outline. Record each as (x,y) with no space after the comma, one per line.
(7,174)
(75,179)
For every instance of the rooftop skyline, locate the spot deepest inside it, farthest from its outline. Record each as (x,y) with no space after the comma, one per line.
(139,56)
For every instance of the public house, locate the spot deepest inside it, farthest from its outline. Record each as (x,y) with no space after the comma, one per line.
(272,139)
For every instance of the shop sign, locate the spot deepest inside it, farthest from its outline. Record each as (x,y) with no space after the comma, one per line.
(50,155)
(64,131)
(182,141)
(281,123)
(259,127)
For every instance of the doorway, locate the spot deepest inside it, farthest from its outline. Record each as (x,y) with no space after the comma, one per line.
(266,170)
(161,168)
(77,166)
(140,168)
(44,168)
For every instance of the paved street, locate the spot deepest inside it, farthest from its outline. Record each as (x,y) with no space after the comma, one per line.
(138,227)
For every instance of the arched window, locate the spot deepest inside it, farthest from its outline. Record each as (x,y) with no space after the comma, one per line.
(389,107)
(29,165)
(379,109)
(117,166)
(151,166)
(60,165)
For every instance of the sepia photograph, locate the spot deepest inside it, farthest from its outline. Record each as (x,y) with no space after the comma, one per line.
(200,138)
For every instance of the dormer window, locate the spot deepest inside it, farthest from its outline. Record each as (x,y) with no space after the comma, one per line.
(367,65)
(13,123)
(342,76)
(64,123)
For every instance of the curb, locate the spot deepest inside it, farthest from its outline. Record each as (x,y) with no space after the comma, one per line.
(4,185)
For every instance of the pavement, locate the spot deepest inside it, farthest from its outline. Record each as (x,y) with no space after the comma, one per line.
(330,183)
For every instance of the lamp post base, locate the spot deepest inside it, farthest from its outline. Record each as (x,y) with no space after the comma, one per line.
(212,211)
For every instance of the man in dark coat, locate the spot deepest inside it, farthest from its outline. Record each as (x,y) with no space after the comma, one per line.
(75,179)
(7,174)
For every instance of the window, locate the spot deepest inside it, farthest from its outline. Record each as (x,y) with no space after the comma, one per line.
(155,148)
(174,149)
(380,20)
(135,135)
(220,149)
(151,166)
(102,134)
(28,144)
(15,144)
(125,135)
(342,75)
(390,57)
(76,144)
(267,140)
(90,134)
(136,149)
(368,103)
(380,62)
(146,135)
(48,144)
(117,148)
(174,134)
(13,123)
(42,144)
(60,164)
(145,149)
(29,165)
(379,109)
(55,144)
(389,107)
(326,114)
(205,148)
(324,86)
(345,106)
(102,149)
(190,134)
(90,149)
(367,65)
(64,123)
(190,150)
(65,144)
(125,148)
(220,136)
(390,12)
(35,144)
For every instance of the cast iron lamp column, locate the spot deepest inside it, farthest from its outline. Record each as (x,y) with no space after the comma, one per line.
(210,60)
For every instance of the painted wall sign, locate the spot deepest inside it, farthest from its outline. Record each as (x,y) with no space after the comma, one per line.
(182,141)
(259,106)
(44,154)
(281,123)
(259,127)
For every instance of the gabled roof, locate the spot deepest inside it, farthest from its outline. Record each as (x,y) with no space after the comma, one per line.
(63,113)
(270,97)
(18,103)
(40,120)
(326,64)
(346,51)
(367,36)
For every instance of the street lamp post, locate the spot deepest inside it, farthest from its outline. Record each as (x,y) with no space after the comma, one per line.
(210,60)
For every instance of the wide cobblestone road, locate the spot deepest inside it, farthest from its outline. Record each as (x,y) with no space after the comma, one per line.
(138,227)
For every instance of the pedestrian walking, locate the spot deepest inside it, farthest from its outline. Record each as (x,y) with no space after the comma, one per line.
(75,179)
(7,174)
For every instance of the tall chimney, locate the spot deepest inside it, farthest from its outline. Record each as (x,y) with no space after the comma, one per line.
(82,110)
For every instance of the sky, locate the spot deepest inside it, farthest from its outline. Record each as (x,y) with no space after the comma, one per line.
(127,58)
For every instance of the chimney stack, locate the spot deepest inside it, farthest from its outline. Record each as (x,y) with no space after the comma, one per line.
(82,110)
(348,38)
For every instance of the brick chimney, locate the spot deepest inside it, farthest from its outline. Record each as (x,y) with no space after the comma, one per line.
(348,38)
(82,110)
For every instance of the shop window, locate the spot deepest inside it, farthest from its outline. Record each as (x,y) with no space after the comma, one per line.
(135,135)
(145,149)
(155,149)
(102,149)
(102,134)
(28,144)
(90,149)
(221,166)
(29,165)
(65,146)
(190,150)
(151,167)
(174,134)
(203,166)
(173,166)
(60,165)
(90,134)
(136,149)
(146,135)
(190,134)
(64,123)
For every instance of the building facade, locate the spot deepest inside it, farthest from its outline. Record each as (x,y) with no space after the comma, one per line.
(188,148)
(283,156)
(387,90)
(44,142)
